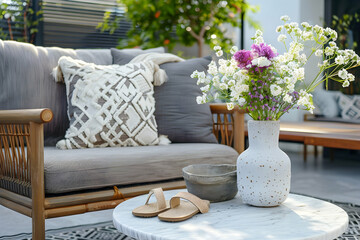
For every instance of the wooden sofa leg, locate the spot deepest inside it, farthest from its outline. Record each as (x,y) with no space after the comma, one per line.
(37,181)
(38,226)
(316,153)
(305,152)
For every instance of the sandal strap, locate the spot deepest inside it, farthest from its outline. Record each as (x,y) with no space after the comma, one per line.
(202,205)
(160,198)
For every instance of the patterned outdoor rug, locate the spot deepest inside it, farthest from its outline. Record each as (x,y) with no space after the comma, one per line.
(106,230)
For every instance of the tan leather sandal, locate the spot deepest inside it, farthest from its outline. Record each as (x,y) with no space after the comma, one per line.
(152,209)
(183,210)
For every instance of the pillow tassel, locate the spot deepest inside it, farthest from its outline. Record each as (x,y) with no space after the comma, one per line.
(160,75)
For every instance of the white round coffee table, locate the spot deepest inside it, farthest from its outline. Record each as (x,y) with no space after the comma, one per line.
(298,217)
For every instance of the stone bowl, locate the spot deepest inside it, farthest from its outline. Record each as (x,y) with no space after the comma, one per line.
(213,182)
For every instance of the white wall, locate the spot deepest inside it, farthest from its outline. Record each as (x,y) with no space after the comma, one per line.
(311,11)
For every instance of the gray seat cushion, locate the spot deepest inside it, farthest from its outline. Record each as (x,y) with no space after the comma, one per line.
(80,169)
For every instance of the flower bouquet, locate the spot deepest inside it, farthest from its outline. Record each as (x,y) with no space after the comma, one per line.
(268,85)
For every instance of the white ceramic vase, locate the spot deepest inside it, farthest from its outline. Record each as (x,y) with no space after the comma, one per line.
(263,170)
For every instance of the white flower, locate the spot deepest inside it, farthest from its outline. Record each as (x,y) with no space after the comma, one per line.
(350,77)
(294,24)
(318,29)
(287,98)
(305,24)
(302,58)
(222,69)
(346,83)
(329,51)
(230,106)
(299,73)
(234,49)
(201,99)
(216,81)
(273,49)
(224,79)
(258,33)
(279,28)
(244,88)
(194,74)
(311,108)
(305,100)
(307,36)
(281,38)
(205,88)
(201,77)
(231,83)
(242,101)
(223,86)
(290,87)
(213,70)
(275,90)
(318,53)
(219,53)
(217,48)
(332,44)
(339,60)
(222,62)
(285,18)
(259,40)
(261,62)
(343,74)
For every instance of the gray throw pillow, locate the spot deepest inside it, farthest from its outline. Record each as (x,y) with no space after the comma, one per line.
(326,101)
(132,52)
(177,114)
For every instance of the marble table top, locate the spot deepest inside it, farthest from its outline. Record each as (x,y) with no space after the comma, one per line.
(299,217)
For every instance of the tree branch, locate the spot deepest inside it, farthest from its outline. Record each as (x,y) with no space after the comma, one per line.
(197,37)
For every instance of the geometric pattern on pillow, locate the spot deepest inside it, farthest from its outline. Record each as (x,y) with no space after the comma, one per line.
(350,106)
(109,105)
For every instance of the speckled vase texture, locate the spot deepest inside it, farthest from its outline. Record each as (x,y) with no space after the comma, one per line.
(263,170)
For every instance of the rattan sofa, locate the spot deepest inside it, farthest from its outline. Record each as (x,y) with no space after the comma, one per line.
(24,152)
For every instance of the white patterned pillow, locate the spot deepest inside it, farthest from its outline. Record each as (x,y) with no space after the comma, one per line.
(350,106)
(108,105)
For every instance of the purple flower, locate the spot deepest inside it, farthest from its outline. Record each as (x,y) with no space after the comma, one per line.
(263,50)
(244,58)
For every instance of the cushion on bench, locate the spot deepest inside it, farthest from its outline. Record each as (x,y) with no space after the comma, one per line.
(25,72)
(80,169)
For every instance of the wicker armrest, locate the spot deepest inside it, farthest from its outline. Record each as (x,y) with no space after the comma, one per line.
(228,125)
(23,116)
(22,151)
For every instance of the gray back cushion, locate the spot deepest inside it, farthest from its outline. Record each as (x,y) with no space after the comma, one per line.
(117,54)
(177,114)
(26,81)
(326,101)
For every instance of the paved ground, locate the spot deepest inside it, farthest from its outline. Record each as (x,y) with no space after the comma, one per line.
(338,180)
